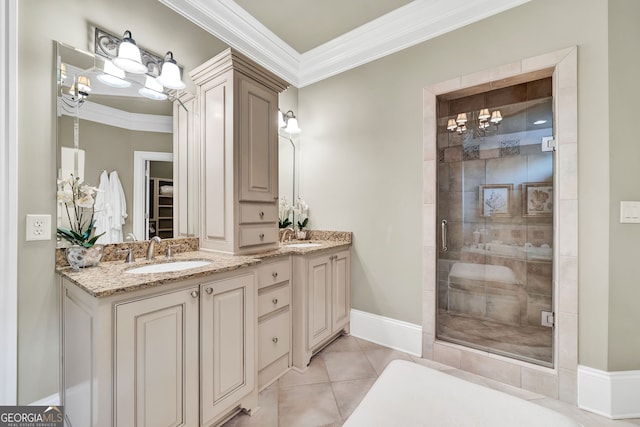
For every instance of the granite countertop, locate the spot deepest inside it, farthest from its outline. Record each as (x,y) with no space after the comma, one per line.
(109,278)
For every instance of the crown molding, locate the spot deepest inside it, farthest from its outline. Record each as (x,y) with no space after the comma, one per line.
(123,119)
(388,34)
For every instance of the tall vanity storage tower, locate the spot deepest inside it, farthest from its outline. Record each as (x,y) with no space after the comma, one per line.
(237,102)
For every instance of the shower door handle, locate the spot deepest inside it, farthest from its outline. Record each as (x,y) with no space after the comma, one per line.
(443,226)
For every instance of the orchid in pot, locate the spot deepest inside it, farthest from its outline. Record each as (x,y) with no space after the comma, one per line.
(301,211)
(78,202)
(284,212)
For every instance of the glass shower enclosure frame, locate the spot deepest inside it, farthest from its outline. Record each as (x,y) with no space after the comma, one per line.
(495,221)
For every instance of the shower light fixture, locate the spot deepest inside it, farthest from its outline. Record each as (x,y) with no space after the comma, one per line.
(483,121)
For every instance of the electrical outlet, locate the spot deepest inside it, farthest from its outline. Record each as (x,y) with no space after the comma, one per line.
(38,227)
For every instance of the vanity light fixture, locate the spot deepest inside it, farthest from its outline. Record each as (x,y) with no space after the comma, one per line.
(288,121)
(153,90)
(113,76)
(170,75)
(129,58)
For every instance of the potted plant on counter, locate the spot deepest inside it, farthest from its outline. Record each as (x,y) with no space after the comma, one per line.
(301,210)
(78,201)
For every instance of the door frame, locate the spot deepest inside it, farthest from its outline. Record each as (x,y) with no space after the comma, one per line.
(9,210)
(561,379)
(140,159)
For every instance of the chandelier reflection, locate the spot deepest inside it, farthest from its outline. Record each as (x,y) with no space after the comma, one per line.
(482,122)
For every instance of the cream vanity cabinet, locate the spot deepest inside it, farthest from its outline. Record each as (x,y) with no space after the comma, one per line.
(321,301)
(274,319)
(178,355)
(237,134)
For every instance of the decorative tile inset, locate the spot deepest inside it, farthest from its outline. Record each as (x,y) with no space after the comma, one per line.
(441,155)
(510,148)
(471,152)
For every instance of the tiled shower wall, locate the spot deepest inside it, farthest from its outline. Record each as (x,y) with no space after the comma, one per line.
(458,202)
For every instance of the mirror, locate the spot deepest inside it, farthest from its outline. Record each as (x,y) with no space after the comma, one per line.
(286,168)
(111,136)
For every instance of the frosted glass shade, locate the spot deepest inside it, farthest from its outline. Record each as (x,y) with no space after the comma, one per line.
(170,75)
(129,58)
(113,76)
(292,126)
(152,90)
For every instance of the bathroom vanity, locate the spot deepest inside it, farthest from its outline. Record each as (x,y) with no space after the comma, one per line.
(193,347)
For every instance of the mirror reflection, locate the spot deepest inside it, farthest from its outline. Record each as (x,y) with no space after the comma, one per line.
(113,136)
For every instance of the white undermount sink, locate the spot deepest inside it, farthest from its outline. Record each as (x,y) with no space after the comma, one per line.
(303,245)
(168,267)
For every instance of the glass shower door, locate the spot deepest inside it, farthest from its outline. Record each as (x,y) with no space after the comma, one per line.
(495,224)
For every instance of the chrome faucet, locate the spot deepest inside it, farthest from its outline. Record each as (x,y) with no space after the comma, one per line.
(151,249)
(288,230)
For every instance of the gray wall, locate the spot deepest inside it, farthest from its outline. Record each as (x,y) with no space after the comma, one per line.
(41,23)
(624,149)
(365,126)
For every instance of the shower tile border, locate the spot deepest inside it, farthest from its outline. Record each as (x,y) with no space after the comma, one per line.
(560,381)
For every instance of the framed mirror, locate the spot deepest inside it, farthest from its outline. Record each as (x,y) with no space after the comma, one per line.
(113,136)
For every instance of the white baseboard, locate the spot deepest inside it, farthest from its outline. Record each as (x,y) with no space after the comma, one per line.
(388,332)
(53,400)
(615,395)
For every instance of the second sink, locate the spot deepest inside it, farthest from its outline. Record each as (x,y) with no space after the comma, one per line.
(168,267)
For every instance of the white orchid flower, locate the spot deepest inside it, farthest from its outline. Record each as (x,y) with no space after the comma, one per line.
(85,201)
(65,196)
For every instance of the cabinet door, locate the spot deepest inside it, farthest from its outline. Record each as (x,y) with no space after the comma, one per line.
(258,143)
(341,295)
(156,361)
(227,335)
(319,300)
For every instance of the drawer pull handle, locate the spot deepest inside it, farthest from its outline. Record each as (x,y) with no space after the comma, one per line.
(274,301)
(261,215)
(274,274)
(261,235)
(194,294)
(275,340)
(209,291)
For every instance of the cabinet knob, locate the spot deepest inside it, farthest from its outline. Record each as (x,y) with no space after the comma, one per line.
(261,215)
(209,290)
(274,274)
(275,340)
(261,235)
(195,294)
(274,301)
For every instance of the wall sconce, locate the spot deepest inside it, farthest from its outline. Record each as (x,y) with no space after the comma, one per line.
(288,121)
(483,122)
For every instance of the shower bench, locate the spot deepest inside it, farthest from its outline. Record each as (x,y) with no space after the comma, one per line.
(487,292)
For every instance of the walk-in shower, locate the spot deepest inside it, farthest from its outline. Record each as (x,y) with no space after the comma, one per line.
(495,220)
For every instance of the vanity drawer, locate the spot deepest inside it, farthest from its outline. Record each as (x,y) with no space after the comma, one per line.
(273,299)
(251,236)
(272,273)
(273,339)
(258,213)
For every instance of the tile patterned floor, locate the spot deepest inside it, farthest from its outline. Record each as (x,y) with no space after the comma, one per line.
(339,377)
